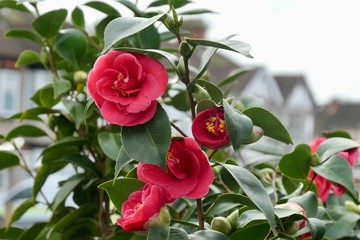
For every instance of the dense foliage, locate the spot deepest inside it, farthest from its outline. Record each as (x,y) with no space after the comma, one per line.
(137,173)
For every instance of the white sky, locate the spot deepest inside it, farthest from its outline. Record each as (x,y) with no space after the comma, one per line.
(317,38)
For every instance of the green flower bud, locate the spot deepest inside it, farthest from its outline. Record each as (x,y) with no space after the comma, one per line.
(351,206)
(233,219)
(255,136)
(239,106)
(221,224)
(291,228)
(80,77)
(181,68)
(185,49)
(315,160)
(201,93)
(267,175)
(160,219)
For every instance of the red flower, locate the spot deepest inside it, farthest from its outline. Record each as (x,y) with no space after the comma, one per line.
(125,86)
(140,207)
(189,172)
(323,185)
(209,129)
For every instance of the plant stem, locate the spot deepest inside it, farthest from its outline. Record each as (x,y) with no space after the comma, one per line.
(178,129)
(200,214)
(310,183)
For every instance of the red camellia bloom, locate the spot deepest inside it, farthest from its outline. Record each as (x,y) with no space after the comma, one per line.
(209,129)
(189,172)
(125,86)
(140,207)
(323,185)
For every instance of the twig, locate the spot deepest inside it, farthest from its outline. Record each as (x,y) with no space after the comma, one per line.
(200,214)
(178,129)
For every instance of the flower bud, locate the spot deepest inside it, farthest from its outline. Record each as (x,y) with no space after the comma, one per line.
(160,219)
(291,228)
(267,175)
(233,219)
(255,136)
(315,160)
(80,77)
(181,68)
(221,224)
(185,49)
(201,93)
(239,106)
(351,206)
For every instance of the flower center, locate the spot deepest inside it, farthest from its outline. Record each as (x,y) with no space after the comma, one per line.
(120,85)
(215,125)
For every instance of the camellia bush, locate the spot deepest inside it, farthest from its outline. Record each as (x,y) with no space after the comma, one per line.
(142,172)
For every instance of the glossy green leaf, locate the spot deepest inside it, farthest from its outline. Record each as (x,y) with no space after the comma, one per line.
(232,45)
(41,176)
(296,165)
(27,57)
(207,235)
(172,59)
(196,11)
(110,143)
(233,76)
(71,44)
(338,170)
(10,233)
(76,110)
(123,27)
(103,7)
(317,228)
(257,232)
(127,186)
(60,86)
(66,189)
(77,17)
(254,190)
(337,133)
(21,210)
(100,27)
(63,143)
(33,231)
(238,125)
(25,131)
(45,96)
(33,113)
(23,34)
(180,101)
(228,201)
(167,233)
(13,5)
(335,145)
(149,142)
(343,226)
(271,125)
(122,159)
(250,216)
(81,161)
(175,3)
(131,6)
(149,33)
(49,24)
(8,159)
(215,92)
(308,201)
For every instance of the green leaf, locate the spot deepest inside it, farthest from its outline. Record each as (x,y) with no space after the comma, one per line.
(45,96)
(149,142)
(308,201)
(70,44)
(77,17)
(132,6)
(81,161)
(250,216)
(8,159)
(121,161)
(228,201)
(232,45)
(127,186)
(40,178)
(296,165)
(49,24)
(10,233)
(317,228)
(103,7)
(172,59)
(110,143)
(24,34)
(338,170)
(21,210)
(254,190)
(207,235)
(238,125)
(13,5)
(25,131)
(60,86)
(180,101)
(66,189)
(123,27)
(64,143)
(33,231)
(233,76)
(27,57)
(149,33)
(215,92)
(337,133)
(76,110)
(343,226)
(335,145)
(271,125)
(257,232)
(167,233)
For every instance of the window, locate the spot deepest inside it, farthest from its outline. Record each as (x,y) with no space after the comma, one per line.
(9,92)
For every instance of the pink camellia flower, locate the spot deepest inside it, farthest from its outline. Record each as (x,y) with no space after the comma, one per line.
(188,173)
(209,129)
(140,207)
(125,86)
(323,185)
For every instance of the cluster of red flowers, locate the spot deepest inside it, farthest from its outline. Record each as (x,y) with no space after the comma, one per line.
(125,87)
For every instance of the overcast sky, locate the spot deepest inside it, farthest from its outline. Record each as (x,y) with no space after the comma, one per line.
(317,38)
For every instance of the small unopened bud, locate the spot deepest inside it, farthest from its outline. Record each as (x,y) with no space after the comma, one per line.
(255,136)
(267,175)
(239,106)
(315,160)
(80,77)
(291,228)
(160,219)
(201,93)
(221,224)
(181,68)
(233,219)
(351,206)
(185,49)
